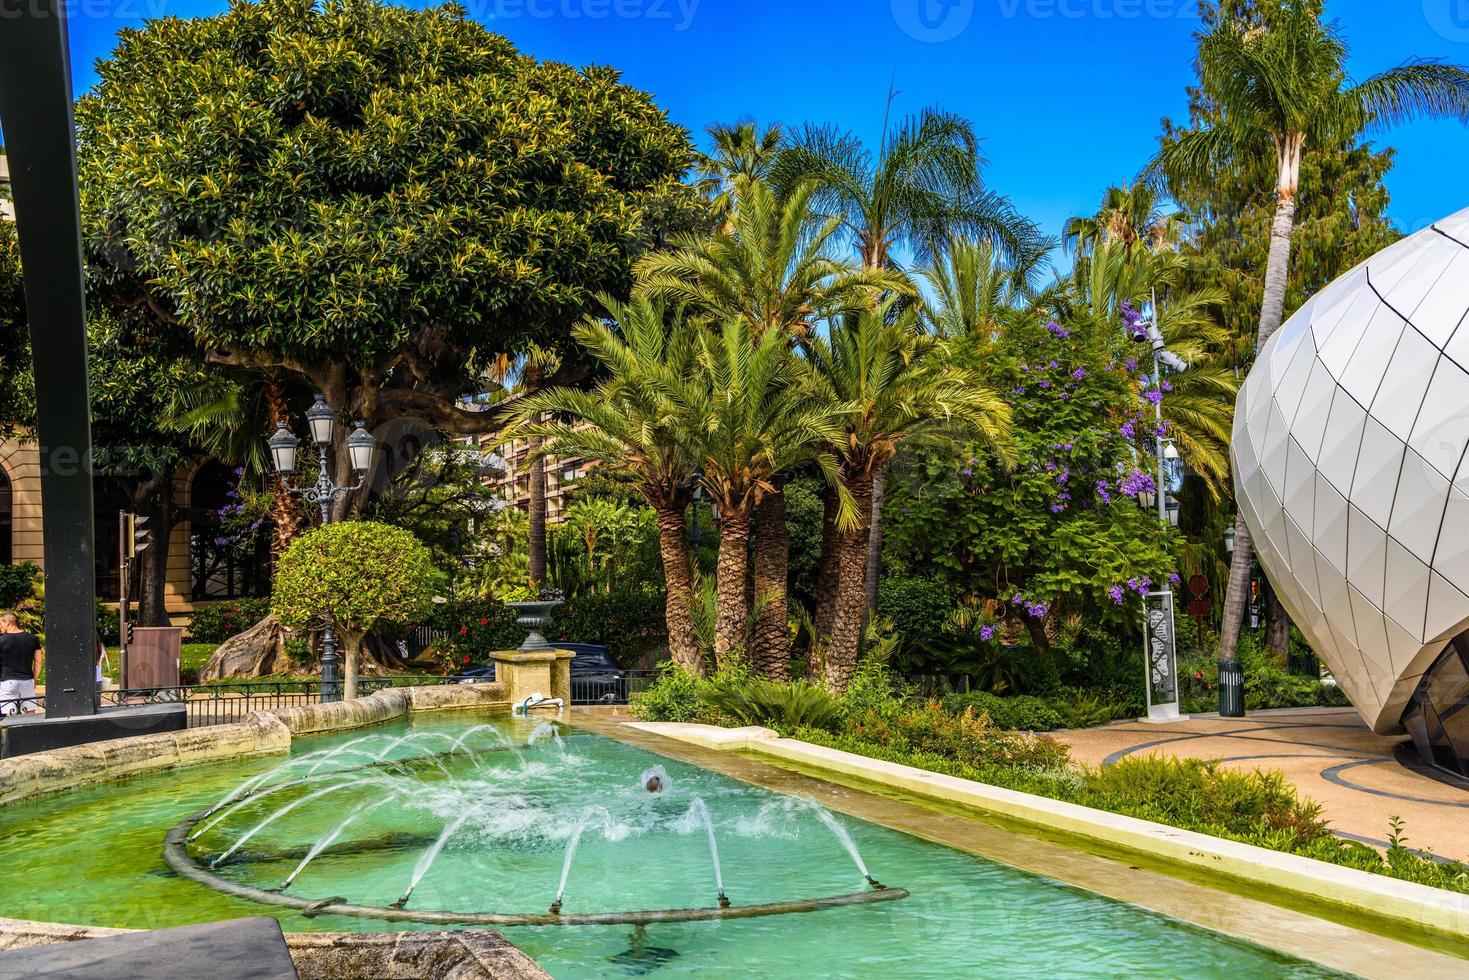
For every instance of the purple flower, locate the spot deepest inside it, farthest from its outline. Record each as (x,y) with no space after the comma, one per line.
(1166,386)
(1154,396)
(967,471)
(1135,483)
(1035,610)
(1057,508)
(1173,578)
(986,633)
(1079,373)
(1127,431)
(1131,364)
(1046,384)
(1058,330)
(1052,365)
(1116,593)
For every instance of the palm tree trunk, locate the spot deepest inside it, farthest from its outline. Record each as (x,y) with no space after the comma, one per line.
(1277,629)
(770,643)
(874,544)
(1272,312)
(733,569)
(826,576)
(536,508)
(851,604)
(153,498)
(683,639)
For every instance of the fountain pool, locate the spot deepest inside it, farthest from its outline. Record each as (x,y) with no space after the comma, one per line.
(442,815)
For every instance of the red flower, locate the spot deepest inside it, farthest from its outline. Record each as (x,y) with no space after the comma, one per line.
(1199,676)
(466,660)
(484,622)
(463,630)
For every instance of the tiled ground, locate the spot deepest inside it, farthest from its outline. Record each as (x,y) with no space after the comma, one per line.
(1328,753)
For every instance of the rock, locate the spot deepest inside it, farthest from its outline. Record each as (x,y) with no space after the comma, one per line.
(258,651)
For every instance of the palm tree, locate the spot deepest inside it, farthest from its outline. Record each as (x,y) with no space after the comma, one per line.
(1278,84)
(898,384)
(975,291)
(773,268)
(923,185)
(738,153)
(752,413)
(1129,214)
(514,375)
(629,421)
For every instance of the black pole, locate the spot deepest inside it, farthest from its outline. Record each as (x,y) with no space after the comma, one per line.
(36,116)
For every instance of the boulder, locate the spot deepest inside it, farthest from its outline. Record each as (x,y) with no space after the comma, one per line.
(257,652)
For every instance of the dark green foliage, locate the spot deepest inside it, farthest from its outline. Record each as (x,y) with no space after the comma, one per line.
(784,707)
(804,509)
(677,695)
(216,622)
(17,583)
(918,607)
(967,738)
(1267,684)
(476,627)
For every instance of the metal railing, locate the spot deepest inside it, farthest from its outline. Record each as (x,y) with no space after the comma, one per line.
(225,703)
(610,688)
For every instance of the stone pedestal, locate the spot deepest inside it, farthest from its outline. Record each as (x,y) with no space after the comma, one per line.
(523,673)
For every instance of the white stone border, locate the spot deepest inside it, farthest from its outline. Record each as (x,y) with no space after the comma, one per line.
(1421,906)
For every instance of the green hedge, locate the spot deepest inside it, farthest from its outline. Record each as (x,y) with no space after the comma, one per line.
(1024,712)
(215,622)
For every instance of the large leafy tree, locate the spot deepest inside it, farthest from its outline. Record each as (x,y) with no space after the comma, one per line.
(1275,73)
(1129,214)
(378,200)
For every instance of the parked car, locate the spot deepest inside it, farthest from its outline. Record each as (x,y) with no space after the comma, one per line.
(595,676)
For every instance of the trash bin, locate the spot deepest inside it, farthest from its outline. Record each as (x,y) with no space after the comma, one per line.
(1231,689)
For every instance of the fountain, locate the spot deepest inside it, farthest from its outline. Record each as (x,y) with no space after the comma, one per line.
(502,803)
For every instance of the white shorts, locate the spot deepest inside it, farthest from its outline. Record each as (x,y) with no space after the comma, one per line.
(13,695)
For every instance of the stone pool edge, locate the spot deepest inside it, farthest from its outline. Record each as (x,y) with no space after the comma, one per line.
(478,954)
(1423,907)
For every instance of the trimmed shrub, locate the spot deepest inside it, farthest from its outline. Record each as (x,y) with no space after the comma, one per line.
(1023,712)
(918,607)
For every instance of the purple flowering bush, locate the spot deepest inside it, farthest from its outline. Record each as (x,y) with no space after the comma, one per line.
(1060,534)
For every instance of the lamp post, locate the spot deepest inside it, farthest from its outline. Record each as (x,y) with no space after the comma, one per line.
(1158,625)
(320,423)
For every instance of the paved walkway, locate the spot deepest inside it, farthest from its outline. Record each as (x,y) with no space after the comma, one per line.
(1328,753)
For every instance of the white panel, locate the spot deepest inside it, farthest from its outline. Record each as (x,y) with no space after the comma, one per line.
(1406,595)
(1418,507)
(1366,555)
(1290,385)
(1456,225)
(1300,488)
(1242,452)
(1369,361)
(1302,561)
(1330,533)
(1332,588)
(1310,421)
(1451,560)
(1388,267)
(1273,514)
(1273,453)
(1445,305)
(1442,429)
(1261,399)
(1371,634)
(1336,601)
(1376,479)
(1402,388)
(1337,350)
(1404,648)
(1334,301)
(1448,610)
(1420,277)
(1342,443)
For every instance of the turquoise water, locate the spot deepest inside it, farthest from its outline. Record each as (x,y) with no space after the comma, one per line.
(94,856)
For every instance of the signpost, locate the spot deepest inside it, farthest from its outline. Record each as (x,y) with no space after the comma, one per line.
(1162,658)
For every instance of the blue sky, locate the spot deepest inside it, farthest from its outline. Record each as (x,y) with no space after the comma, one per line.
(1068,94)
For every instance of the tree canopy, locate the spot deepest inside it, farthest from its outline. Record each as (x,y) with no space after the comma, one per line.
(380,200)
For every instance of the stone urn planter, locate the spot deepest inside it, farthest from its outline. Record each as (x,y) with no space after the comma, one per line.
(534,615)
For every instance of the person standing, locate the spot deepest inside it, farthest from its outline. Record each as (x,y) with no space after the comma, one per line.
(21,658)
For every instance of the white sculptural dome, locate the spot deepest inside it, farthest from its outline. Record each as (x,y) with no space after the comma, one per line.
(1349,439)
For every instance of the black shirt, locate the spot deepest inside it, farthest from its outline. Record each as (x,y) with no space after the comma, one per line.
(17,655)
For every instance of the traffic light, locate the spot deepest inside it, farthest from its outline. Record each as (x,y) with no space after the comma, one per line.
(145,531)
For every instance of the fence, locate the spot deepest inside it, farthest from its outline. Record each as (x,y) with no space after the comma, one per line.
(609,688)
(223,704)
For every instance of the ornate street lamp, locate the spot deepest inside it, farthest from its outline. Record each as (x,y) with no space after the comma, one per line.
(320,422)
